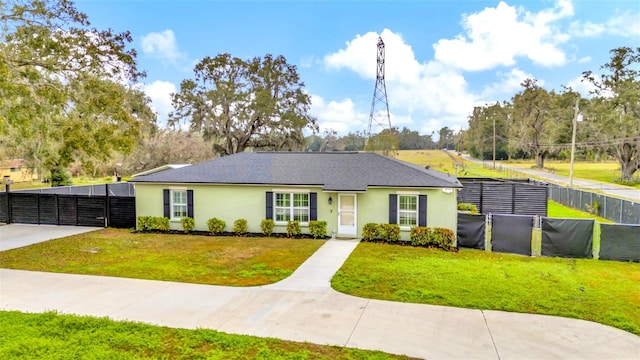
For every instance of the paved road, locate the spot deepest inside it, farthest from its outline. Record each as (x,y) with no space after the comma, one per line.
(304,307)
(621,191)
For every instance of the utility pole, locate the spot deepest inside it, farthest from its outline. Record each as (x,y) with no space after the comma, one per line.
(576,111)
(380,116)
(494,142)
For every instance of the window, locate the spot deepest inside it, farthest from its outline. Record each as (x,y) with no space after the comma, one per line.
(407,210)
(291,206)
(178,204)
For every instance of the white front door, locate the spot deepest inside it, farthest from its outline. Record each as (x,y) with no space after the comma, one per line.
(347,214)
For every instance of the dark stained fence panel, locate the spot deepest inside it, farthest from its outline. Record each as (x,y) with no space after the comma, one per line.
(530,200)
(497,198)
(471,193)
(3,208)
(24,208)
(67,211)
(122,212)
(91,211)
(48,209)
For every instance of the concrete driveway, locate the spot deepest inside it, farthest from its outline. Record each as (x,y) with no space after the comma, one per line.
(18,235)
(304,307)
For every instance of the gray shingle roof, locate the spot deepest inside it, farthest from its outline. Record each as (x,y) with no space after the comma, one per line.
(334,171)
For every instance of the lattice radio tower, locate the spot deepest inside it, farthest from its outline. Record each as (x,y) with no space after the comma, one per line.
(379,116)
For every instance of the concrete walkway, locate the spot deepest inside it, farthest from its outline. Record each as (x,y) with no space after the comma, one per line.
(303,307)
(18,235)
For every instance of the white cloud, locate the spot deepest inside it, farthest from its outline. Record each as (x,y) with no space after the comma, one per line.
(497,36)
(584,60)
(160,94)
(164,46)
(340,116)
(400,62)
(625,25)
(509,84)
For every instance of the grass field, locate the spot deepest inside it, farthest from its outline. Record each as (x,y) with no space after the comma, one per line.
(236,261)
(445,161)
(600,291)
(52,336)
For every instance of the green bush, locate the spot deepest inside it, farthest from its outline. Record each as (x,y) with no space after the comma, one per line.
(188,224)
(240,226)
(369,231)
(420,236)
(472,208)
(267,226)
(148,223)
(216,225)
(443,238)
(388,232)
(293,228)
(144,223)
(60,177)
(160,223)
(318,229)
(393,232)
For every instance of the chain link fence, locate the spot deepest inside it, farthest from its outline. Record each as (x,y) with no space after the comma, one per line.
(614,209)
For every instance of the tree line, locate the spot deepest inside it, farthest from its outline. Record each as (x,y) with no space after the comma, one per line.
(538,123)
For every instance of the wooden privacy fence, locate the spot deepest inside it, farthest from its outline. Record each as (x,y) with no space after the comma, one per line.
(504,196)
(543,236)
(45,208)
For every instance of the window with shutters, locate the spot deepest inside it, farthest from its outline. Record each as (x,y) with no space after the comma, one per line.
(178,204)
(407,210)
(291,206)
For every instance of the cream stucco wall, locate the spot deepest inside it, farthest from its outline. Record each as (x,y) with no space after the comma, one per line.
(231,202)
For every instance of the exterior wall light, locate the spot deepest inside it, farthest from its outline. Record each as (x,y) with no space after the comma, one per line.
(447,190)
(330,200)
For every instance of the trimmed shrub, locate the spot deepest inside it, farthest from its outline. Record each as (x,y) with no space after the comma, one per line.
(267,226)
(240,226)
(472,208)
(388,232)
(318,229)
(148,223)
(420,236)
(187,224)
(216,225)
(443,238)
(369,231)
(144,223)
(161,223)
(293,228)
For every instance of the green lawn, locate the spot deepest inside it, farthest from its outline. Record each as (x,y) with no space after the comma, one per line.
(214,260)
(52,336)
(600,291)
(558,210)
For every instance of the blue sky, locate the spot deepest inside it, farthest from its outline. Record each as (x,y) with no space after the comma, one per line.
(442,57)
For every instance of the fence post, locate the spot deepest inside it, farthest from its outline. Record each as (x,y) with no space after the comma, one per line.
(107,219)
(487,232)
(536,236)
(595,249)
(8,192)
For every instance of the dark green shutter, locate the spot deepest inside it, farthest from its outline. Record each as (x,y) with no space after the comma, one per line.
(393,209)
(313,204)
(167,203)
(269,201)
(190,203)
(422,210)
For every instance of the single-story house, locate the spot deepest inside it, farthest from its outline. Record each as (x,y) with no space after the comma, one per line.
(345,189)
